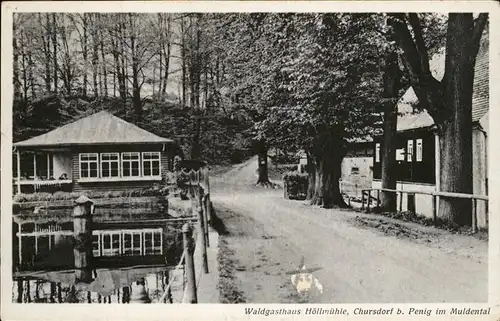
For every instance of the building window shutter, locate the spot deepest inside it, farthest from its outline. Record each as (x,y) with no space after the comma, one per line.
(409,152)
(419,150)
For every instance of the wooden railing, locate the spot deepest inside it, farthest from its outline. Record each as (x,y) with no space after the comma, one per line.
(199,193)
(434,195)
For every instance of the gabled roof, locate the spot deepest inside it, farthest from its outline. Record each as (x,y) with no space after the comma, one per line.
(409,119)
(100,128)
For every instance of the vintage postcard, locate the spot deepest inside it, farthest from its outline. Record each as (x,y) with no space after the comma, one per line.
(250,160)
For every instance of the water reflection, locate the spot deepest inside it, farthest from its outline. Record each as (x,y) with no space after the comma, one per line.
(133,285)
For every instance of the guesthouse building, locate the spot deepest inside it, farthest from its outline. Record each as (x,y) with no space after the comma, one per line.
(97,152)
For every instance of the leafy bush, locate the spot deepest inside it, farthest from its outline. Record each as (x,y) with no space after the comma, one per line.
(177,163)
(295,185)
(59,196)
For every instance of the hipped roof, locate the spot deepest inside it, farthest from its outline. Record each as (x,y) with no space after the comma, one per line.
(408,119)
(101,128)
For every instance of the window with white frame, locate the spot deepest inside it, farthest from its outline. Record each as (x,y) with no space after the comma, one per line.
(418,155)
(89,165)
(131,165)
(110,165)
(409,151)
(151,163)
(377,152)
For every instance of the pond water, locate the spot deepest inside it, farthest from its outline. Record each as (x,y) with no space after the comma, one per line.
(124,285)
(127,263)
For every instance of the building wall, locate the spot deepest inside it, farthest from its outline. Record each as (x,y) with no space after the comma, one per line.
(412,164)
(423,203)
(479,174)
(353,182)
(166,159)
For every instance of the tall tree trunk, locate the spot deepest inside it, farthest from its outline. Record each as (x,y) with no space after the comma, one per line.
(388,157)
(456,132)
(103,61)
(136,90)
(95,56)
(54,46)
(24,94)
(17,83)
(311,176)
(46,51)
(84,51)
(30,76)
(262,149)
(166,57)
(183,64)
(328,173)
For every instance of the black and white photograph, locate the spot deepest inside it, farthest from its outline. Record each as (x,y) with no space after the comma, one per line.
(265,157)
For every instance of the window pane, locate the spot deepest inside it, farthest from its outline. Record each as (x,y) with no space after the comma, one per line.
(127,243)
(126,169)
(409,151)
(93,173)
(419,150)
(137,240)
(147,169)
(95,245)
(116,243)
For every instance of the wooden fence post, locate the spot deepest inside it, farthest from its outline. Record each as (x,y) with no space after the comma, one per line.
(434,209)
(204,208)
(362,199)
(202,233)
(378,198)
(369,200)
(139,293)
(82,233)
(209,209)
(400,201)
(190,289)
(474,215)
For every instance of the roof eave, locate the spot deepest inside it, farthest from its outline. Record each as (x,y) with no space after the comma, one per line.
(18,145)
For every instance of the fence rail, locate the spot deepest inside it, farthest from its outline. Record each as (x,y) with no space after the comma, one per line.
(435,197)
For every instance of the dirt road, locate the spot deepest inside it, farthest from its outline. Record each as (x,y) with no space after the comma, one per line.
(269,235)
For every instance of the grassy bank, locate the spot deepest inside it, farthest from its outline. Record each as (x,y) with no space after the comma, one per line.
(228,291)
